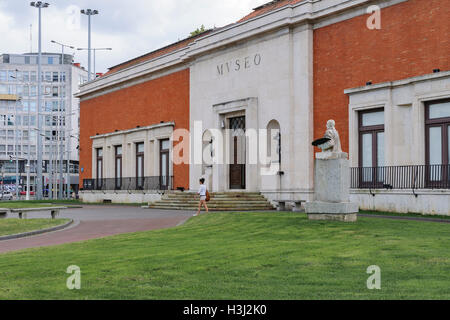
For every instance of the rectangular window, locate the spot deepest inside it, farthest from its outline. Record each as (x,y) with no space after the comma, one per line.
(118,167)
(371,146)
(140,166)
(99,154)
(26,76)
(33,91)
(55,76)
(48,76)
(437,126)
(32,106)
(2,76)
(19,76)
(33,77)
(11,76)
(50,60)
(55,91)
(164,164)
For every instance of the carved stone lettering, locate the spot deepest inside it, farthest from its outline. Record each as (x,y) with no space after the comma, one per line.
(240,64)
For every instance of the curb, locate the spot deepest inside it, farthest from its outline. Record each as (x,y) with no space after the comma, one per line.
(404,218)
(36,232)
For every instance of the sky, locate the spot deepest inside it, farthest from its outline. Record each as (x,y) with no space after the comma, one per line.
(131,28)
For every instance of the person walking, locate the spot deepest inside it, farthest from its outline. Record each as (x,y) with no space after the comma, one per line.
(202,193)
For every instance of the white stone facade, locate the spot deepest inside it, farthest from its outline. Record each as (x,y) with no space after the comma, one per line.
(150,136)
(403,102)
(262,69)
(261,80)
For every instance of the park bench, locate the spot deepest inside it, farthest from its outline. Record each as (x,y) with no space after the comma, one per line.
(3,213)
(22,212)
(282,204)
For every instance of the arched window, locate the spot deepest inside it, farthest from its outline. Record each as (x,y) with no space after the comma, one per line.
(274,141)
(207,149)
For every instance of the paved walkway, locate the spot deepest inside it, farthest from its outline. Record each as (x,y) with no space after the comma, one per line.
(94,222)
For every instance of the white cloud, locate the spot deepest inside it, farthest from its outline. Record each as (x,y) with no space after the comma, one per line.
(131,28)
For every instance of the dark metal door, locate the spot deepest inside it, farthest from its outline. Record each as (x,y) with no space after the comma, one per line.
(238,153)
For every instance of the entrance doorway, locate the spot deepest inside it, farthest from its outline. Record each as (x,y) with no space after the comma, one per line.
(238,153)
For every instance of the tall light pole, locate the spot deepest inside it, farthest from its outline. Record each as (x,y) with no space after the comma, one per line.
(89,13)
(18,98)
(39,5)
(61,184)
(94,49)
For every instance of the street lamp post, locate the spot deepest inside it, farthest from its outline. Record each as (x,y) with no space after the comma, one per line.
(39,5)
(61,184)
(94,49)
(15,149)
(89,13)
(18,98)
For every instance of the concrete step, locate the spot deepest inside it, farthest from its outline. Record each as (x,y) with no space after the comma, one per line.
(220,201)
(167,204)
(212,209)
(213,202)
(213,196)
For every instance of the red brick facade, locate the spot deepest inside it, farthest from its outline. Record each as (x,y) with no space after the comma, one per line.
(414,39)
(163,99)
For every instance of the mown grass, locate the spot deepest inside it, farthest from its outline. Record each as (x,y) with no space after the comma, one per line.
(243,256)
(15,226)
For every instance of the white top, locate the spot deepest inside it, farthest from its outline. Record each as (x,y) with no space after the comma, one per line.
(202,190)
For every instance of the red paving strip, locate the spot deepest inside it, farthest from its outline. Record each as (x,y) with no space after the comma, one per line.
(87,230)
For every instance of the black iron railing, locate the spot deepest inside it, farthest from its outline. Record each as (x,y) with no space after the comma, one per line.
(401,177)
(129,184)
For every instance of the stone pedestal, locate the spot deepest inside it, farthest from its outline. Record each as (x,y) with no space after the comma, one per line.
(332,189)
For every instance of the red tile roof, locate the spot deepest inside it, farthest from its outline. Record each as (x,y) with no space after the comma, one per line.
(157,53)
(270,6)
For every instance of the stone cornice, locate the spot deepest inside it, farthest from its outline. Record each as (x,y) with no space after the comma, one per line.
(398,83)
(154,126)
(305,12)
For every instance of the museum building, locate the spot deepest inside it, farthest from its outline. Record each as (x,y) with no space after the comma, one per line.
(283,70)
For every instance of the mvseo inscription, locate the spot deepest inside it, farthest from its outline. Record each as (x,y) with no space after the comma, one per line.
(239,64)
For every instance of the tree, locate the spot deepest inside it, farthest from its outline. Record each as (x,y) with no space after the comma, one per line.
(198,31)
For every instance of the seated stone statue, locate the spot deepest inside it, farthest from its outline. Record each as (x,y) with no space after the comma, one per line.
(330,143)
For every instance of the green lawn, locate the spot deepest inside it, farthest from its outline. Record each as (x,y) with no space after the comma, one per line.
(243,256)
(15,226)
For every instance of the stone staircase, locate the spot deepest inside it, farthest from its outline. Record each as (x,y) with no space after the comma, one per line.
(220,201)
